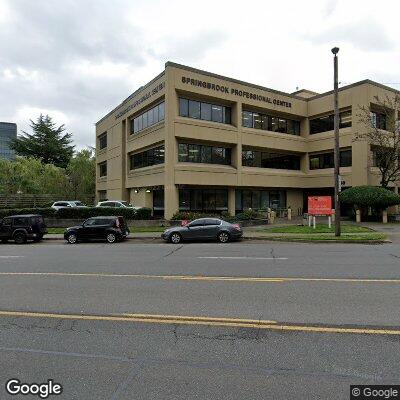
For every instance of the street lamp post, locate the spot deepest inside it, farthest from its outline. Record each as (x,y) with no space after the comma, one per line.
(335,50)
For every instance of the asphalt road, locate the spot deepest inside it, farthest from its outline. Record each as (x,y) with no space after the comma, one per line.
(106,321)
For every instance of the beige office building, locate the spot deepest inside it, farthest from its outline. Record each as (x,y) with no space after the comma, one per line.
(193,140)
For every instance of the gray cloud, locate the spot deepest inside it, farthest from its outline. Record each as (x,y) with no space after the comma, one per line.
(366,35)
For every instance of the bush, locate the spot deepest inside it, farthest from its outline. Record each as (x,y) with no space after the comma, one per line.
(370,196)
(248,215)
(46,212)
(188,215)
(80,213)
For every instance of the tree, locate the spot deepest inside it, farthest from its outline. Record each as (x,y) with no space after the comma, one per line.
(383,135)
(370,196)
(81,172)
(47,142)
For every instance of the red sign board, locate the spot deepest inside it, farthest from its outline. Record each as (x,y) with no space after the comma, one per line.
(320,205)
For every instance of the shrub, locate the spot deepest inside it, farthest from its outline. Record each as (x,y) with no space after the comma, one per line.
(248,214)
(370,196)
(46,212)
(188,215)
(80,213)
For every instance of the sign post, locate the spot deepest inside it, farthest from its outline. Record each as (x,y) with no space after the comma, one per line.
(319,206)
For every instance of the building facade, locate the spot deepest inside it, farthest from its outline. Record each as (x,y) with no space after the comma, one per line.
(8,132)
(193,140)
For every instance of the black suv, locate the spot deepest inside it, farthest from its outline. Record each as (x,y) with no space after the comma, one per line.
(21,228)
(112,229)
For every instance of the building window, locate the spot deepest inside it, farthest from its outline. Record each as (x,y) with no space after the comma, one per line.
(103,169)
(259,199)
(203,200)
(269,123)
(148,118)
(326,122)
(102,194)
(255,158)
(103,141)
(147,158)
(198,153)
(204,111)
(326,160)
(378,120)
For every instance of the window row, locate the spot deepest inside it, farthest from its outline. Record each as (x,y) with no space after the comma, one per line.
(269,123)
(326,160)
(326,123)
(205,111)
(147,158)
(255,158)
(204,200)
(103,141)
(198,153)
(148,118)
(103,168)
(259,199)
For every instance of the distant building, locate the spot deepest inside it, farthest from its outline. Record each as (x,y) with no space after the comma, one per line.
(8,131)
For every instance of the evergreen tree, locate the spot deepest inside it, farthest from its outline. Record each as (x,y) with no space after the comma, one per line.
(47,142)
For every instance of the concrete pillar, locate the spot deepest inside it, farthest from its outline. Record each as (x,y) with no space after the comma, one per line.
(358,215)
(385,216)
(171,201)
(289,214)
(231,201)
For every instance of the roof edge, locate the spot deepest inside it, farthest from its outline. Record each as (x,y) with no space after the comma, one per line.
(233,80)
(130,97)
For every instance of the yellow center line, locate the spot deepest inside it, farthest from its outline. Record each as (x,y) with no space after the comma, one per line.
(208,321)
(203,278)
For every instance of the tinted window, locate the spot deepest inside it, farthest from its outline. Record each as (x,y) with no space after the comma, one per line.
(197,222)
(194,109)
(147,158)
(90,222)
(148,118)
(101,222)
(20,221)
(7,221)
(216,113)
(183,107)
(205,111)
(209,222)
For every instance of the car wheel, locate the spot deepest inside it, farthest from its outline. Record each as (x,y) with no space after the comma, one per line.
(20,238)
(223,237)
(175,238)
(72,238)
(111,238)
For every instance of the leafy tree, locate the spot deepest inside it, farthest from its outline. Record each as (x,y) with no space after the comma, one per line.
(383,135)
(81,172)
(47,142)
(370,196)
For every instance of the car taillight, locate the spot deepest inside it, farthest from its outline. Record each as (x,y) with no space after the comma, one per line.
(237,227)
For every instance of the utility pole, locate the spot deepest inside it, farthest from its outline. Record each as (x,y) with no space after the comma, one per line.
(335,50)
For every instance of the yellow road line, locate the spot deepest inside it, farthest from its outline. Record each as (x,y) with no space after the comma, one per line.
(209,321)
(201,278)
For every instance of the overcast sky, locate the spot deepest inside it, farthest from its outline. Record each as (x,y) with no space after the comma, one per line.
(77,59)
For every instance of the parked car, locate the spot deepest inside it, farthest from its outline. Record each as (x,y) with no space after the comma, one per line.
(116,204)
(204,229)
(109,228)
(22,228)
(65,204)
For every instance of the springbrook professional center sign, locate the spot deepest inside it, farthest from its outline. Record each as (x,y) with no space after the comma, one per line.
(235,92)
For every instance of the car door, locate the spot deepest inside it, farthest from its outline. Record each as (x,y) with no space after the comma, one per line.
(88,229)
(100,228)
(210,229)
(5,228)
(194,230)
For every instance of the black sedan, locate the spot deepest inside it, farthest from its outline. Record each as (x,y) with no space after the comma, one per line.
(204,229)
(109,228)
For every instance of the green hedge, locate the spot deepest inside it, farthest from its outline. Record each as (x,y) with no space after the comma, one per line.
(244,216)
(370,196)
(80,213)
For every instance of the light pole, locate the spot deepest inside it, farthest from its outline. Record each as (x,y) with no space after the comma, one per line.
(335,50)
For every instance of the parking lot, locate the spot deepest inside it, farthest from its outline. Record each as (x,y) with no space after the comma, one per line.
(200,320)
